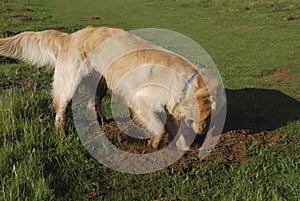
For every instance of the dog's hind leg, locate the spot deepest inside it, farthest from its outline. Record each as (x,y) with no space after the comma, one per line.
(95,103)
(66,81)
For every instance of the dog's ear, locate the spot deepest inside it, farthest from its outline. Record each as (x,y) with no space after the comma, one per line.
(209,87)
(176,111)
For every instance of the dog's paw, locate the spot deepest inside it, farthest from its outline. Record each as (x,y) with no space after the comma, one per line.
(153,144)
(181,144)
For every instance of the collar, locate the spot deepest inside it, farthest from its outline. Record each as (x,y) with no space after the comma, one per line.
(188,82)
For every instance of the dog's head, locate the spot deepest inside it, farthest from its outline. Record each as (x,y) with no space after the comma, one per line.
(197,107)
(196,117)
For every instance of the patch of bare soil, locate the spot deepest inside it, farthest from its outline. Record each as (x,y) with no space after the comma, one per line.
(94,18)
(26,10)
(24,18)
(25,85)
(279,74)
(58,28)
(232,147)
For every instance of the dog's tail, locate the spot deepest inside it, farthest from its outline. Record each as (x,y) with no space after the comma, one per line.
(39,48)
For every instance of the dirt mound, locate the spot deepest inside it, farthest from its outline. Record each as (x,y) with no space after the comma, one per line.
(232,147)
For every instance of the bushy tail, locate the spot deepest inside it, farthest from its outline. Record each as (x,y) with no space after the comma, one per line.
(39,48)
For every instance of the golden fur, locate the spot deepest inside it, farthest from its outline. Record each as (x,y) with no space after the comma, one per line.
(114,53)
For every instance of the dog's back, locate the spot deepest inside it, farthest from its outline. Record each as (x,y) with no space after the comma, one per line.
(44,47)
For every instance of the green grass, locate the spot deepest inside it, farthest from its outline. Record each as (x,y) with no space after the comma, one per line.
(248,41)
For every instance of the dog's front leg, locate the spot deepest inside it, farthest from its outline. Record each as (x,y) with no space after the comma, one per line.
(144,116)
(60,113)
(155,141)
(172,126)
(100,93)
(181,144)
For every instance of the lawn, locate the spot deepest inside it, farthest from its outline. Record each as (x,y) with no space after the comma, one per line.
(255,46)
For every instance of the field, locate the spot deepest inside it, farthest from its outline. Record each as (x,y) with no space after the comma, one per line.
(255,45)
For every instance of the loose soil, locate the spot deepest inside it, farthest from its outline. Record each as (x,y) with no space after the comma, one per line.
(233,147)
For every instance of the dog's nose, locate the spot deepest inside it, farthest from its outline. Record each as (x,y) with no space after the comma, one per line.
(199,127)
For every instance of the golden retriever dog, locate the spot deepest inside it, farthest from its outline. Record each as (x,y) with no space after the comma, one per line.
(148,78)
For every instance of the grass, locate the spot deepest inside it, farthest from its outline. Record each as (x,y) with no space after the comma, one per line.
(251,43)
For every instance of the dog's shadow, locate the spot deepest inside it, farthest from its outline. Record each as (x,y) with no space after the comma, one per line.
(259,109)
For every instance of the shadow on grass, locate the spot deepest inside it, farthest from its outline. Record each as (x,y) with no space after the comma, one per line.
(259,109)
(6,60)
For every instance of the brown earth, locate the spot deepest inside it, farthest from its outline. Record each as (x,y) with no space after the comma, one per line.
(24,18)
(94,18)
(23,84)
(232,147)
(279,74)
(25,10)
(59,28)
